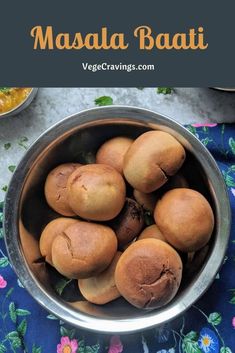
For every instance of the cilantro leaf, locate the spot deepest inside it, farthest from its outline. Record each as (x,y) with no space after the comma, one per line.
(164,90)
(21,142)
(104,100)
(5,89)
(60,286)
(7,145)
(11,168)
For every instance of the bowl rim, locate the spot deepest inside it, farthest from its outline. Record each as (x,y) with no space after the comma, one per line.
(66,312)
(23,105)
(225,89)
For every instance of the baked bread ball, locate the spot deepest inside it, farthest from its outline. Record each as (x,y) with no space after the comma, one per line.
(147,201)
(50,232)
(185,218)
(101,289)
(56,188)
(129,223)
(84,250)
(152,232)
(32,253)
(96,192)
(151,158)
(112,152)
(148,273)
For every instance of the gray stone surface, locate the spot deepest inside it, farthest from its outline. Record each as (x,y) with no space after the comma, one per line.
(186,105)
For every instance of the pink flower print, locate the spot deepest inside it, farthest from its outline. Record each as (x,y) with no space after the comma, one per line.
(233,191)
(233,322)
(115,345)
(3,282)
(201,125)
(67,346)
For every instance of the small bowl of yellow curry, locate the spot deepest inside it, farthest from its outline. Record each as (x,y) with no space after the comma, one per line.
(14,99)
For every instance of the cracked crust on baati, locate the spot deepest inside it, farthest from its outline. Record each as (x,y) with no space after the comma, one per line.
(148,273)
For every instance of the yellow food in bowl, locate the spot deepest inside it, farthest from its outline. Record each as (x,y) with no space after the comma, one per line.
(11,97)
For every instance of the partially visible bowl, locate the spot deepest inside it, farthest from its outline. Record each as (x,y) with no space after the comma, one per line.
(77,138)
(22,105)
(225,89)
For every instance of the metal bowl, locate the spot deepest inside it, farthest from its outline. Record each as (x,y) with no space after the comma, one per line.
(77,138)
(228,89)
(23,105)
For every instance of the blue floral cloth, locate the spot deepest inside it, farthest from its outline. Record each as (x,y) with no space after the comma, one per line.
(207,327)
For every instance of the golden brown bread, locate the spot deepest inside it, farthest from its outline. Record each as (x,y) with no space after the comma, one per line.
(50,232)
(32,253)
(83,250)
(151,158)
(96,192)
(129,223)
(152,232)
(147,201)
(101,289)
(56,188)
(148,273)
(112,152)
(185,218)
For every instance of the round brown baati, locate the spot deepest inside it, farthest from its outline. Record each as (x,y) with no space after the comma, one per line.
(152,232)
(101,289)
(129,223)
(96,192)
(112,152)
(148,273)
(147,201)
(50,232)
(84,249)
(185,218)
(151,159)
(56,188)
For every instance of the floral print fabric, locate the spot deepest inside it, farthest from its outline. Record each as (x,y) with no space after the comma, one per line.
(207,327)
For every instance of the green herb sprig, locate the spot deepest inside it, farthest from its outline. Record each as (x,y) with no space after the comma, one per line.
(11,168)
(104,100)
(164,90)
(7,145)
(5,89)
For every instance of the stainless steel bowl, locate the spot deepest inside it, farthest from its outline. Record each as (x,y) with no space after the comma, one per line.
(225,89)
(76,139)
(23,105)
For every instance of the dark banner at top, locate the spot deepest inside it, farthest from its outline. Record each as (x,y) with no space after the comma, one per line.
(124,43)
